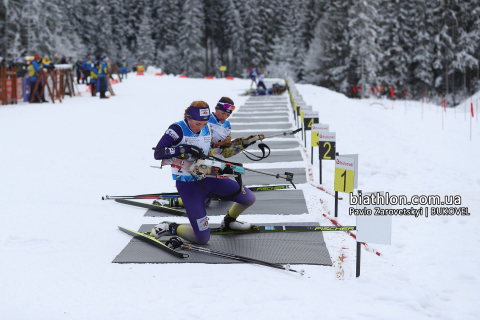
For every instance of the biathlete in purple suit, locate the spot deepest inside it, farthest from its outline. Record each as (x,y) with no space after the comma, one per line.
(189,139)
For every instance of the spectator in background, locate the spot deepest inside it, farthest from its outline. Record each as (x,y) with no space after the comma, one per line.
(109,68)
(34,70)
(86,66)
(79,70)
(261,77)
(63,60)
(253,75)
(140,67)
(93,79)
(102,83)
(47,64)
(56,59)
(123,67)
(20,67)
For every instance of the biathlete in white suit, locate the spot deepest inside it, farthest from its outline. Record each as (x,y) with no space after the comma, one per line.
(221,128)
(190,139)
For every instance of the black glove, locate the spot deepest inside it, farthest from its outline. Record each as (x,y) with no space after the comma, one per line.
(195,151)
(249,141)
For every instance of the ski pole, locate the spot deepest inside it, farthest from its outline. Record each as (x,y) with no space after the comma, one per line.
(292,132)
(288,175)
(175,242)
(261,136)
(166,195)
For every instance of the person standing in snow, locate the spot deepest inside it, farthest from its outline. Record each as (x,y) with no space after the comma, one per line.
(93,78)
(34,70)
(253,75)
(79,70)
(124,67)
(190,139)
(261,77)
(102,81)
(86,66)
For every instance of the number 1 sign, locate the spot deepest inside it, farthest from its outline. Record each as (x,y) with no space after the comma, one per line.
(344,174)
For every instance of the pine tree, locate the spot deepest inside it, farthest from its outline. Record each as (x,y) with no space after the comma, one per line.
(253,35)
(192,28)
(116,8)
(364,47)
(396,42)
(467,38)
(146,45)
(235,40)
(328,60)
(422,56)
(168,13)
(133,13)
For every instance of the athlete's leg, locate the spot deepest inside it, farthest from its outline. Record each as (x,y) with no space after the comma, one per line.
(241,201)
(193,197)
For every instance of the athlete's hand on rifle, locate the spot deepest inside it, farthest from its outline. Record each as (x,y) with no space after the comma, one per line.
(225,143)
(246,142)
(194,151)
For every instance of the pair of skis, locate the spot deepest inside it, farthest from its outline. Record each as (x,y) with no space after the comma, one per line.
(168,195)
(175,242)
(130,200)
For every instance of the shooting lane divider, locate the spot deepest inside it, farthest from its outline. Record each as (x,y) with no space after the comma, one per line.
(301,114)
(316,128)
(311,180)
(346,167)
(309,118)
(354,236)
(326,142)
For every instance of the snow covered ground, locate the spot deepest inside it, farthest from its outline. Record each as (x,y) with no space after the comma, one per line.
(57,238)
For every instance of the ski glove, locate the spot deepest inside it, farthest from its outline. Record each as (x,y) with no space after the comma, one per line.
(249,141)
(195,151)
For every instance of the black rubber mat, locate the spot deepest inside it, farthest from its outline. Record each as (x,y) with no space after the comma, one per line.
(251,178)
(285,144)
(259,113)
(239,119)
(278,247)
(272,110)
(269,103)
(268,98)
(265,105)
(275,156)
(289,202)
(260,127)
(239,134)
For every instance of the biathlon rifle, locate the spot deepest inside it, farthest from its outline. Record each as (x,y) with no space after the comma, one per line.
(245,142)
(240,144)
(212,167)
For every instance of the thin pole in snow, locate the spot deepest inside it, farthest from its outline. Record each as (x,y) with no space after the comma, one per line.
(471,116)
(443,109)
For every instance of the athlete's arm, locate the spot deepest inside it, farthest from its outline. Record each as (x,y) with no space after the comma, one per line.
(165,148)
